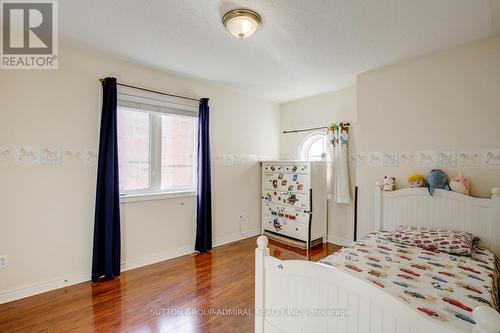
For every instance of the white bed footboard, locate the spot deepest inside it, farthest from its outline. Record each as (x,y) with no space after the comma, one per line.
(302,296)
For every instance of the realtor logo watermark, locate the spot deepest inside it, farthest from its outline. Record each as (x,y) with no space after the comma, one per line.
(29,34)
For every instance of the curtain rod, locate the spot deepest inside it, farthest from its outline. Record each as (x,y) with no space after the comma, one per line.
(154,91)
(305,130)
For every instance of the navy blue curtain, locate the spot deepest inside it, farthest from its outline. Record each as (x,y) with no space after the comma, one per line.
(204,201)
(106,253)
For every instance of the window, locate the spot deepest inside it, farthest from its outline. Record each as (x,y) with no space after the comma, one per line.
(177,152)
(314,147)
(134,163)
(156,146)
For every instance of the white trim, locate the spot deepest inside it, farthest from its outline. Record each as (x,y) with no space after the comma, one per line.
(43,287)
(38,288)
(156,258)
(338,240)
(236,237)
(155,196)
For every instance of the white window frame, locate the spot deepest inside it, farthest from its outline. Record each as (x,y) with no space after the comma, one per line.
(157,105)
(306,143)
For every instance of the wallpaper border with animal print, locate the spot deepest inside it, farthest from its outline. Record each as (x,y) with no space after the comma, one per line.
(12,154)
(444,158)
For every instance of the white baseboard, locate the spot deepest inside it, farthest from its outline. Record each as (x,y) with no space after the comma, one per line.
(236,237)
(338,240)
(155,258)
(43,287)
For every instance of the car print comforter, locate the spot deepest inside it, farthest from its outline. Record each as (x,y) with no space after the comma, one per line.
(438,285)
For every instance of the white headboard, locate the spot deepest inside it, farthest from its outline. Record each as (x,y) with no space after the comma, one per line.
(445,209)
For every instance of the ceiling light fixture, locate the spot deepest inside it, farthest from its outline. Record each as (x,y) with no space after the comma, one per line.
(241,23)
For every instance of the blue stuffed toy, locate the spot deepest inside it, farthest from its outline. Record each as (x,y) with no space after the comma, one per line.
(437,179)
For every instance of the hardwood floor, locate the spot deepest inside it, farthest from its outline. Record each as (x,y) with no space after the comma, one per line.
(151,298)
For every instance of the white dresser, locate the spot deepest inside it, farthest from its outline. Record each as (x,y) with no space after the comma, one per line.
(294,200)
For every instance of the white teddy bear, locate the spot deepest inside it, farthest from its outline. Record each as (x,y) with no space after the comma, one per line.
(389,183)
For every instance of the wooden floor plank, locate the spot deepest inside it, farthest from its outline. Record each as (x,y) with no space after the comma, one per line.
(144,299)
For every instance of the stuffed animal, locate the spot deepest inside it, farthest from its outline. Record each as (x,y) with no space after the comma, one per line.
(389,183)
(437,179)
(460,184)
(415,181)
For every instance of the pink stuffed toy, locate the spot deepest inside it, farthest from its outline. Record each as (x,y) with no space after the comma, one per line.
(460,184)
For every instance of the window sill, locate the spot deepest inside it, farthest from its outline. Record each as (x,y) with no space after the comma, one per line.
(155,196)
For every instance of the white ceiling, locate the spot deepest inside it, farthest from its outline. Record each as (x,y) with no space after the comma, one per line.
(304,48)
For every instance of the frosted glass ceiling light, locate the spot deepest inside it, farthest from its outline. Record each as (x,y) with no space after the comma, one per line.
(241,23)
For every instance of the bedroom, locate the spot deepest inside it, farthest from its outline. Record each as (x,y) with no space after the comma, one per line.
(410,77)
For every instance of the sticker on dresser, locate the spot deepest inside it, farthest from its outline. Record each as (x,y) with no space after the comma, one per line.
(285,182)
(285,212)
(287,198)
(288,190)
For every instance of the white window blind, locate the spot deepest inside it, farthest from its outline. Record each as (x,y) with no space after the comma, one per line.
(157,140)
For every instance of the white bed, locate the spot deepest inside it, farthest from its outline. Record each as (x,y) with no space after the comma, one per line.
(302,296)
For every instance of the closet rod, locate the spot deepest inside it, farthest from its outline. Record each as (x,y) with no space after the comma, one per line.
(154,91)
(305,130)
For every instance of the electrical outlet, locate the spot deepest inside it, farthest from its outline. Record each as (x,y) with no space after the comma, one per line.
(243,217)
(4,261)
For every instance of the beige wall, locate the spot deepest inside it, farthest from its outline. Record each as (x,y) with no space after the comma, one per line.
(449,99)
(446,100)
(46,212)
(317,111)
